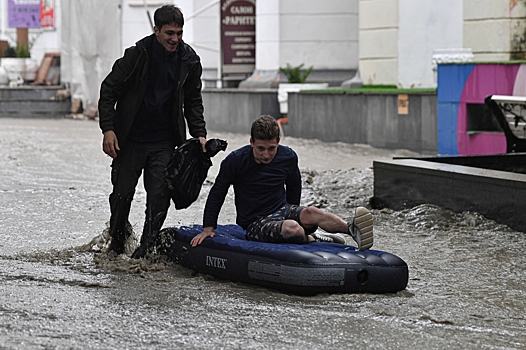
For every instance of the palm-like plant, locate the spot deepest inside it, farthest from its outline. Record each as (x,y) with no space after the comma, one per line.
(295,75)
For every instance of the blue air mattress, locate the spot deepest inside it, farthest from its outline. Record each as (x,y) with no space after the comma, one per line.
(305,269)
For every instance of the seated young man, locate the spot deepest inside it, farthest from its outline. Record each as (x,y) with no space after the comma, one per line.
(267,189)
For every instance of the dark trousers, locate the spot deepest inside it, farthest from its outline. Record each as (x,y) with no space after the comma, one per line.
(132,160)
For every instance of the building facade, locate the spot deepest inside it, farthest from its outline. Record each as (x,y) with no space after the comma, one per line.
(390,42)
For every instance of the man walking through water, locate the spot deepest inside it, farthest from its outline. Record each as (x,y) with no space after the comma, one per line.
(267,188)
(142,118)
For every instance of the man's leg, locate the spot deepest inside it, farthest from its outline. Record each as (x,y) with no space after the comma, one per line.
(297,231)
(157,195)
(293,232)
(360,229)
(276,231)
(283,226)
(125,173)
(277,227)
(312,216)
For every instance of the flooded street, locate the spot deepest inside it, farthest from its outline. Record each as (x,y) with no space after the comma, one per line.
(467,279)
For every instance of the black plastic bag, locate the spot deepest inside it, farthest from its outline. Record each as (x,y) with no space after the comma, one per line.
(188,168)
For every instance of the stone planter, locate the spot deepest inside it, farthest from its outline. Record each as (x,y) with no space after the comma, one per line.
(4,78)
(15,68)
(19,70)
(285,88)
(31,70)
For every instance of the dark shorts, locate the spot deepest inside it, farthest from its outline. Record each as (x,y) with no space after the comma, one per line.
(268,228)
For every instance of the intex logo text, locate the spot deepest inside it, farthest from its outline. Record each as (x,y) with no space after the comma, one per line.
(215,262)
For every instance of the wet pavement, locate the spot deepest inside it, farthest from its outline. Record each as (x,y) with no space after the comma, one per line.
(466,288)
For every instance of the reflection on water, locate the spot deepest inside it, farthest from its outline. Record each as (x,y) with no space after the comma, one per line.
(466,289)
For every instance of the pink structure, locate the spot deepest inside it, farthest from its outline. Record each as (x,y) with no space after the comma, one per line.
(461,84)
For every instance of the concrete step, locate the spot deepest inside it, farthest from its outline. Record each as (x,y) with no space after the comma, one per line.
(29,92)
(33,102)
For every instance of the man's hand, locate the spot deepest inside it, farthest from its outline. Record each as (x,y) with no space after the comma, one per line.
(202,139)
(198,239)
(110,144)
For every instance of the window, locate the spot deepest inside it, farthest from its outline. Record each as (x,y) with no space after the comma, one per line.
(480,119)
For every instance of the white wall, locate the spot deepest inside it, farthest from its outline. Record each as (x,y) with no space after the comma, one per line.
(267,35)
(322,34)
(202,31)
(423,27)
(378,38)
(492,28)
(390,40)
(135,24)
(397,39)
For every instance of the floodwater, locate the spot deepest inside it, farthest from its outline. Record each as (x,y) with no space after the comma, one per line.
(466,288)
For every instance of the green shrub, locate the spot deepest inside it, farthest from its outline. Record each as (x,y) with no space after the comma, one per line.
(10,52)
(22,51)
(19,51)
(295,75)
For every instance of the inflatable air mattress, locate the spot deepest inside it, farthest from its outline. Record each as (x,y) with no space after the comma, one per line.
(303,269)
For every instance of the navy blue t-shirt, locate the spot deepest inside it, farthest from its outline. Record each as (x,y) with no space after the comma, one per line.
(259,189)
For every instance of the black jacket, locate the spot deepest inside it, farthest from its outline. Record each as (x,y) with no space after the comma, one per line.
(122,92)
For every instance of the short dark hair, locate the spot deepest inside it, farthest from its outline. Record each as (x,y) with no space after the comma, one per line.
(264,128)
(168,14)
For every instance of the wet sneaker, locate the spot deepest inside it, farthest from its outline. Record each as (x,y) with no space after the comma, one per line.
(361,228)
(327,237)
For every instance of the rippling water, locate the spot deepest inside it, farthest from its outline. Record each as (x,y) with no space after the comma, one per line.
(467,274)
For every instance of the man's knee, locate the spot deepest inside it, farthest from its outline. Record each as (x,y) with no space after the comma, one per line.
(293,232)
(309,216)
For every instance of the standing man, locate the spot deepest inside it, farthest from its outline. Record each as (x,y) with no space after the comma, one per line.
(143,104)
(267,188)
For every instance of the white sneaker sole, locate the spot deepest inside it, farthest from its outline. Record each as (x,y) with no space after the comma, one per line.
(336,238)
(364,221)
